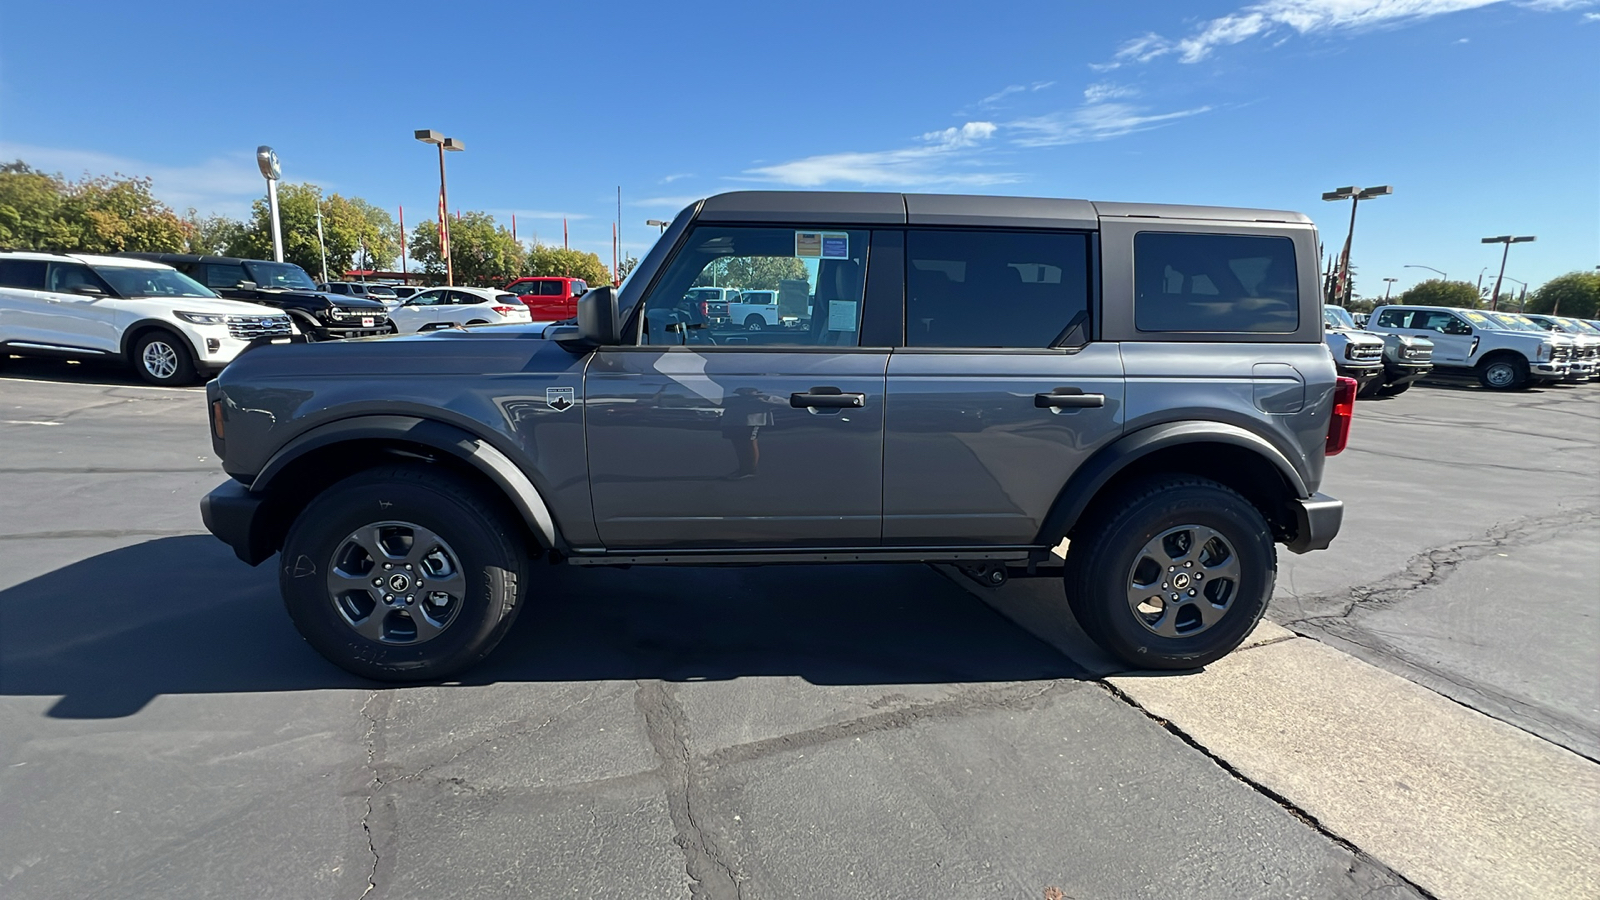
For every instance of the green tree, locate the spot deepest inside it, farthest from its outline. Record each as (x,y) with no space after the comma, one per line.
(212,235)
(1438,292)
(753,273)
(343,228)
(30,202)
(1573,294)
(483,253)
(626,267)
(96,215)
(380,236)
(544,259)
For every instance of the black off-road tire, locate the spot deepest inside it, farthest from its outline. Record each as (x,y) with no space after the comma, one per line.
(1105,555)
(1394,390)
(479,534)
(1503,372)
(754,322)
(162,358)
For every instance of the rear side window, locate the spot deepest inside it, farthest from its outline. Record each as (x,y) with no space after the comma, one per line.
(551,289)
(994,288)
(1395,318)
(224,275)
(27,274)
(1214,283)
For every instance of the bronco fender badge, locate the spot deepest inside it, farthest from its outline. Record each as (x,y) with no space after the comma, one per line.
(560,399)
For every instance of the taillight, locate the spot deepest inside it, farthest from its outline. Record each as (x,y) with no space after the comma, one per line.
(1344,409)
(705,308)
(506,310)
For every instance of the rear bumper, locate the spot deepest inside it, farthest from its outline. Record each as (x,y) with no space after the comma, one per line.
(1317,522)
(235,516)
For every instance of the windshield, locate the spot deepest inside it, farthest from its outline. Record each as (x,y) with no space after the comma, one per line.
(378,290)
(1338,317)
(1581,327)
(142,282)
(280,276)
(1511,323)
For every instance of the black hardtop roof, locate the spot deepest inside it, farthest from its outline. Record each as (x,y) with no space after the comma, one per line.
(197,258)
(865,208)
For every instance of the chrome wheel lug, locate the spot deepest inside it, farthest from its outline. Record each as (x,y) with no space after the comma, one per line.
(408,567)
(1174,596)
(377,582)
(1199,575)
(1186,565)
(388,566)
(388,598)
(1193,593)
(1163,585)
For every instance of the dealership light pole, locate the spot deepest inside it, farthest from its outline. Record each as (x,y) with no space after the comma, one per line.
(1355,195)
(1442,275)
(1387,287)
(658,223)
(267,162)
(429,136)
(321,244)
(1508,240)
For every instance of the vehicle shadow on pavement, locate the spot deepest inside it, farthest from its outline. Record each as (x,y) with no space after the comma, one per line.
(180,615)
(65,372)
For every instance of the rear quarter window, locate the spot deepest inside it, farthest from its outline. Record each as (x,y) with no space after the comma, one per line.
(1211,283)
(27,274)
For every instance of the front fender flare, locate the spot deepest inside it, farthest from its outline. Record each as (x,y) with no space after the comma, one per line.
(1093,475)
(457,442)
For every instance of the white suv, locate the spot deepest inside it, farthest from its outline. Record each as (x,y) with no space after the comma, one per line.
(167,326)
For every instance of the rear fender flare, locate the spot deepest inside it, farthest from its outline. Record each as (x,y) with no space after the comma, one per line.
(1081,489)
(457,442)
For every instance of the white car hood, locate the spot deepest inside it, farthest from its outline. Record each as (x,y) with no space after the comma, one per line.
(212,305)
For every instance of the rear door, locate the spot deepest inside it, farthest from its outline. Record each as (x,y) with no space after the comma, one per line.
(22,299)
(997,396)
(707,435)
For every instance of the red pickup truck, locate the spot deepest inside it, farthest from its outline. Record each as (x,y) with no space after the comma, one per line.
(550,298)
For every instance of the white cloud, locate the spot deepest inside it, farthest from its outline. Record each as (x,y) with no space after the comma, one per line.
(1100,93)
(1001,94)
(1302,17)
(673,202)
(1591,17)
(226,184)
(942,157)
(671,178)
(1092,122)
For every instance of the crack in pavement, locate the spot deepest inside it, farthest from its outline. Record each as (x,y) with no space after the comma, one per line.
(1365,871)
(375,783)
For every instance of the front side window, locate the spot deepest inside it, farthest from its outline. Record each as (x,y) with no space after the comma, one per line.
(139,282)
(1338,317)
(994,288)
(66,278)
(1442,322)
(817,274)
(1214,283)
(428,298)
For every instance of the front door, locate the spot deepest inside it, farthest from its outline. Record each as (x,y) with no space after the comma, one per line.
(73,319)
(998,395)
(704,435)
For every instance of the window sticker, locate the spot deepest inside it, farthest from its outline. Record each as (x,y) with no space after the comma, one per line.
(1480,318)
(841,315)
(808,244)
(835,245)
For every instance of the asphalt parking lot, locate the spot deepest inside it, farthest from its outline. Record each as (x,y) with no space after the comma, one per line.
(1420,717)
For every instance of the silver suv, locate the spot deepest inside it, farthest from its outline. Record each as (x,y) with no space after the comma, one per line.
(991,382)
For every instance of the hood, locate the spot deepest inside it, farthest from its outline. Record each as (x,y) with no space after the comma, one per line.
(213,305)
(343,300)
(502,350)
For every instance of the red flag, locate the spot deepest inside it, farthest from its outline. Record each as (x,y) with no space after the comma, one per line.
(402,241)
(444,231)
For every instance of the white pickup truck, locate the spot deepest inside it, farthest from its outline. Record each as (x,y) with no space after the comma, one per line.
(756,310)
(1467,342)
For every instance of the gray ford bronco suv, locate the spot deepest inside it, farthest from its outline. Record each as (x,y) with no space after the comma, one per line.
(1133,398)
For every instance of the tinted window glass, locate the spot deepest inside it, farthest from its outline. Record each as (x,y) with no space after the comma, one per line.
(64,278)
(224,275)
(1214,283)
(818,276)
(428,298)
(994,289)
(22,273)
(1394,318)
(1442,322)
(550,289)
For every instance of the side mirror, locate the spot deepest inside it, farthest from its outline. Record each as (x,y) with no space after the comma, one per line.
(598,324)
(88,290)
(245,286)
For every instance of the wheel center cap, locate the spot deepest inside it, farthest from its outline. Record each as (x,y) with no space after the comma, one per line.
(1181,581)
(398,582)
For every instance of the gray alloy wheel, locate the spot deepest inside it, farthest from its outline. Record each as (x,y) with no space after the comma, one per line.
(396,583)
(160,359)
(1183,581)
(755,323)
(1502,374)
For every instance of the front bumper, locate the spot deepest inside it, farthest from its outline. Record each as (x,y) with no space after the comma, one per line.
(237,519)
(1317,522)
(1404,373)
(1364,374)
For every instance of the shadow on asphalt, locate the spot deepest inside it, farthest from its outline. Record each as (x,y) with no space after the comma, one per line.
(180,615)
(67,372)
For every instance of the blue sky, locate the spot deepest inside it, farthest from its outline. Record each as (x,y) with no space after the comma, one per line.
(1483,114)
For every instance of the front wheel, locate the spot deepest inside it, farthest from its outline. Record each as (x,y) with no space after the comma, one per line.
(1503,373)
(1391,390)
(403,573)
(1172,573)
(160,357)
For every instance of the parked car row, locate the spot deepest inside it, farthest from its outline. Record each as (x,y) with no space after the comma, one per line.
(1503,351)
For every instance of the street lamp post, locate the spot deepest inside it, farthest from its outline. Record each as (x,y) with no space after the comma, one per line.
(1442,275)
(1387,287)
(267,162)
(1355,195)
(1508,240)
(429,136)
(658,223)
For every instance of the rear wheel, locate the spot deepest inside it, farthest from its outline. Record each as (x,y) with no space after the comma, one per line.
(1503,373)
(1171,573)
(403,573)
(754,323)
(161,357)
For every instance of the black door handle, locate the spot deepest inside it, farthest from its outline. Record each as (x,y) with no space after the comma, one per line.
(1069,398)
(822,398)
